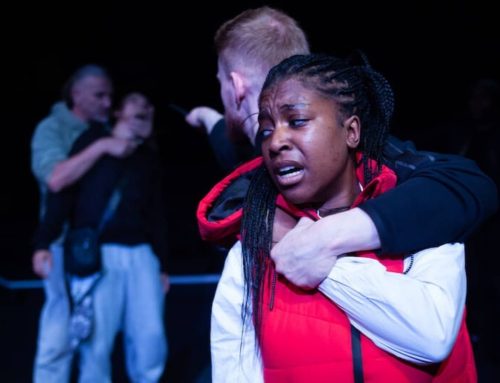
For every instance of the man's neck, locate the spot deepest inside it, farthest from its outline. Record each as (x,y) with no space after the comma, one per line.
(251,124)
(80,115)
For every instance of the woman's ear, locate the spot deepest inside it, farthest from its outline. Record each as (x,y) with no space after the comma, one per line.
(353,131)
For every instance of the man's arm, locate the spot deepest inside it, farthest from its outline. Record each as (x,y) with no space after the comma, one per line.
(204,117)
(41,262)
(50,227)
(214,125)
(440,198)
(47,149)
(306,254)
(70,170)
(228,154)
(414,316)
(53,166)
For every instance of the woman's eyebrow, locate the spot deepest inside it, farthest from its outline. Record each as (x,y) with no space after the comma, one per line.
(301,105)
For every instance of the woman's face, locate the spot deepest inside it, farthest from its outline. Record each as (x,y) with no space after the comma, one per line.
(138,110)
(306,145)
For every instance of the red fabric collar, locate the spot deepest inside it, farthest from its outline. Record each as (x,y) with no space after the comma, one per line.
(225,230)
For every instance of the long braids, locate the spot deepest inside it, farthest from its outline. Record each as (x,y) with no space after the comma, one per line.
(357,89)
(381,97)
(257,231)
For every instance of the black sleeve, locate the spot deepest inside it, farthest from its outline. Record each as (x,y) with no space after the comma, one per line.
(222,147)
(439,198)
(93,133)
(228,154)
(157,220)
(58,206)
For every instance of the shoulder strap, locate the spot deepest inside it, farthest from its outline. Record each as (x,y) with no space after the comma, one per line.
(113,202)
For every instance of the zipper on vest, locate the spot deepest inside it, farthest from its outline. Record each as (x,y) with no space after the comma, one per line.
(273,288)
(357,361)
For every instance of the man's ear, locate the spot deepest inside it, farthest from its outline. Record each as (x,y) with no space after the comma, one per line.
(239,86)
(353,131)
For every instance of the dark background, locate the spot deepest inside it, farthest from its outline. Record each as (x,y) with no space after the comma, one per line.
(429,52)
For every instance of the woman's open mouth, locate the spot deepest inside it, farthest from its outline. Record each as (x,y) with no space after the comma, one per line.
(288,175)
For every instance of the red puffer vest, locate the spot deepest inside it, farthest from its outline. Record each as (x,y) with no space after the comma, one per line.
(307,338)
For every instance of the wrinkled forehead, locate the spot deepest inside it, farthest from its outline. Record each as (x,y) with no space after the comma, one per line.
(286,91)
(94,83)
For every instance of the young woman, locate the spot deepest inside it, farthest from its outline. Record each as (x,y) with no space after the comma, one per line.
(375,318)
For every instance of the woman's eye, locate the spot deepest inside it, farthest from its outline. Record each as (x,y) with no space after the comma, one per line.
(264,132)
(297,122)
